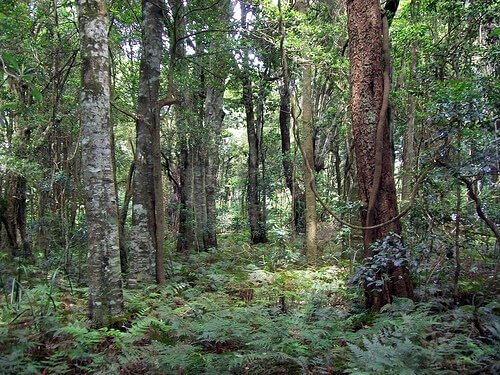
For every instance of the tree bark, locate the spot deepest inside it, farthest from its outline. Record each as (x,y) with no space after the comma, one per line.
(369,78)
(104,274)
(123,217)
(15,215)
(409,140)
(214,116)
(311,219)
(186,235)
(255,212)
(257,231)
(308,148)
(147,232)
(284,121)
(199,202)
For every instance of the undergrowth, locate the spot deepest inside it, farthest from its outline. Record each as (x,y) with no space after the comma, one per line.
(242,310)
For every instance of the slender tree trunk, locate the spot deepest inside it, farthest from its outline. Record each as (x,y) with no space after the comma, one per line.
(186,237)
(214,116)
(254,206)
(284,121)
(200,206)
(255,213)
(213,120)
(370,84)
(147,232)
(104,274)
(15,215)
(308,146)
(123,217)
(409,140)
(308,149)
(186,120)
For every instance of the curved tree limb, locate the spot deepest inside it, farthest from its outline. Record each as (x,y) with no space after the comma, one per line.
(403,212)
(381,126)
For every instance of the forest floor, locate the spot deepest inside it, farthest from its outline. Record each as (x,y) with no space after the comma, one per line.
(245,310)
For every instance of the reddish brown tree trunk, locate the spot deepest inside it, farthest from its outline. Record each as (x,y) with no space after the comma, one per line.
(372,143)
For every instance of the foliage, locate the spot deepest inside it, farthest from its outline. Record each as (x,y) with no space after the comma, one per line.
(217,314)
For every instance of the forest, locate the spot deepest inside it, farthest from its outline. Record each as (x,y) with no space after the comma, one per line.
(249,187)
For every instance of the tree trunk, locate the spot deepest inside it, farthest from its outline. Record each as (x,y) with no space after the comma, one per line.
(104,274)
(199,202)
(257,232)
(284,121)
(255,213)
(214,116)
(123,217)
(308,154)
(369,76)
(213,120)
(147,232)
(186,236)
(308,146)
(409,140)
(15,215)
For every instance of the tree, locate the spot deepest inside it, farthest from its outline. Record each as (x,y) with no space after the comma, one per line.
(308,154)
(148,222)
(370,85)
(284,121)
(256,216)
(104,273)
(218,72)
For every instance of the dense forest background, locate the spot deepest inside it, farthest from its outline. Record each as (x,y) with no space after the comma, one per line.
(249,187)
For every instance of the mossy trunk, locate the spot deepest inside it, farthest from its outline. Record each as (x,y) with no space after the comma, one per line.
(104,273)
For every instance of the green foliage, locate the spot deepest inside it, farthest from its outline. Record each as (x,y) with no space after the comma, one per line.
(387,252)
(219,314)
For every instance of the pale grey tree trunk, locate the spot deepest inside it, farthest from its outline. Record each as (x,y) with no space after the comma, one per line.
(104,274)
(147,233)
(308,154)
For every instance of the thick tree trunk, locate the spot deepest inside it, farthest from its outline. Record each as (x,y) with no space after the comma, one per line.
(147,232)
(369,76)
(104,274)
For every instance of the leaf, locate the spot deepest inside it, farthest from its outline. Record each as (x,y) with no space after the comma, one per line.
(11,61)
(37,95)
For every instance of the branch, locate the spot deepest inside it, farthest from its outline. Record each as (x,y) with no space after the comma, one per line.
(168,100)
(170,173)
(477,201)
(127,113)
(201,8)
